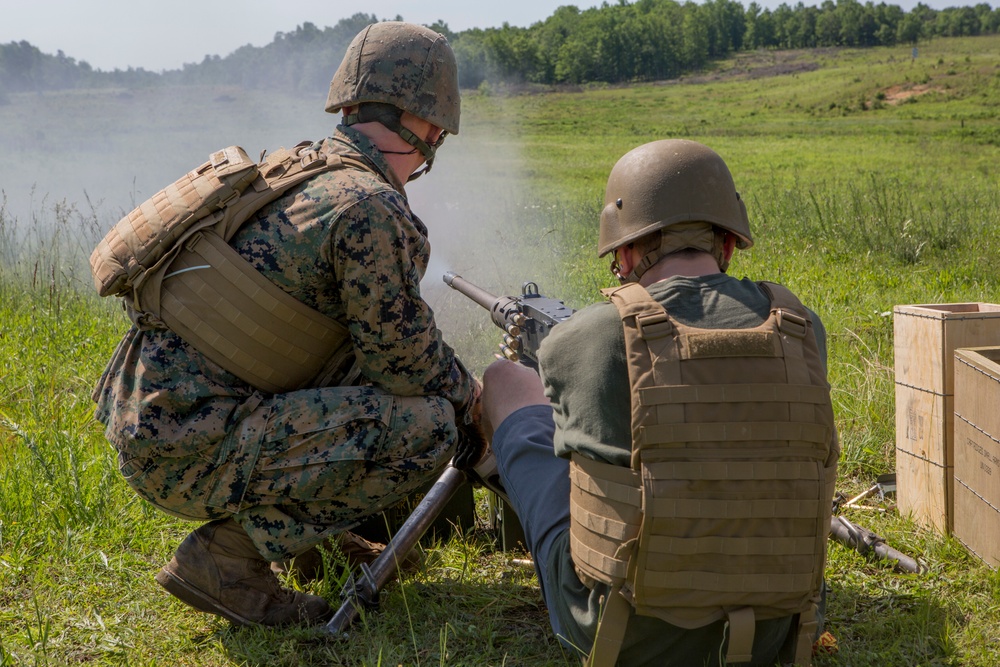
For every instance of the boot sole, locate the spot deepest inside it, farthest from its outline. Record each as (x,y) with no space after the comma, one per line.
(194,597)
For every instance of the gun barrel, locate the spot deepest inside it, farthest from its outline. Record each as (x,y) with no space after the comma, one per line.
(864,541)
(477,294)
(504,310)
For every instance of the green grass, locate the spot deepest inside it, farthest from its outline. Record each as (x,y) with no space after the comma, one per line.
(859,201)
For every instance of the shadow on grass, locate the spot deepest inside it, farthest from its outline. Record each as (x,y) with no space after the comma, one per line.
(876,624)
(440,622)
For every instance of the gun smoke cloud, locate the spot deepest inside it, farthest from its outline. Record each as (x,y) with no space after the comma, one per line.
(82,160)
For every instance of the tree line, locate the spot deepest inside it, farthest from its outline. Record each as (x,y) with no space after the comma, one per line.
(658,39)
(613,43)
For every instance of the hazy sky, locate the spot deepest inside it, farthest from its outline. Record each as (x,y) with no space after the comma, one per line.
(160,35)
(111,34)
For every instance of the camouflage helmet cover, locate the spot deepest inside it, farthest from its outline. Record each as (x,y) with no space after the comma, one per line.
(666,183)
(408,66)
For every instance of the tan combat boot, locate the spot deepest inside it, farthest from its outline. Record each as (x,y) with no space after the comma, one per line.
(217,569)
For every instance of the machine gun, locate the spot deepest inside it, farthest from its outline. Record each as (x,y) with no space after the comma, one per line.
(525,320)
(867,543)
(362,592)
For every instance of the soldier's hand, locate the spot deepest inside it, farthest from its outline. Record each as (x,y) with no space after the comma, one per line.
(472,442)
(472,445)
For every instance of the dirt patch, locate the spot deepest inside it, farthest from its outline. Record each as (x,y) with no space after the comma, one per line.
(755,72)
(897,94)
(762,64)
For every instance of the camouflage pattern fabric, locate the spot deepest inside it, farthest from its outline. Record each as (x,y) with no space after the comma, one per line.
(292,468)
(305,465)
(408,66)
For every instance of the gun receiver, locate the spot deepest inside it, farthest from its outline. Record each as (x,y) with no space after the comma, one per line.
(526,320)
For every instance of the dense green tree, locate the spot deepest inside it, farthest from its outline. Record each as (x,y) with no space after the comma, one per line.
(802,26)
(695,45)
(888,18)
(470,51)
(958,22)
(551,34)
(828,27)
(759,27)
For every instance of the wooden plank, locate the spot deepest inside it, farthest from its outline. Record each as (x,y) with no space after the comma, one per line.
(926,337)
(922,491)
(918,338)
(923,424)
(977,526)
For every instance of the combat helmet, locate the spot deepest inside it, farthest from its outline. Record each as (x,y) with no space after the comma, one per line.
(391,67)
(670,183)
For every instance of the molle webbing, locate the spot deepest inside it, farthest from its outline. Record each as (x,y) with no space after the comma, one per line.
(171,262)
(140,239)
(725,510)
(605,518)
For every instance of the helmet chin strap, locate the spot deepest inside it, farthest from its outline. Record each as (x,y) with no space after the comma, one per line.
(389,116)
(645,264)
(685,236)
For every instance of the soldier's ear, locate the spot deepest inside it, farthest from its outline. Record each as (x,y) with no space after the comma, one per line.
(729,246)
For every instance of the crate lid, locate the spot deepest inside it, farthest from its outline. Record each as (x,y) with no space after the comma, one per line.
(949,311)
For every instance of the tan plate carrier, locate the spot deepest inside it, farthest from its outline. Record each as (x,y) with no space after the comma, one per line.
(171,262)
(725,510)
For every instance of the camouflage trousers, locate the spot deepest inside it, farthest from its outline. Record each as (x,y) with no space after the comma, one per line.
(305,465)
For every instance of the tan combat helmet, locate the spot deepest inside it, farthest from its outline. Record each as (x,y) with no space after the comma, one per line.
(670,183)
(391,67)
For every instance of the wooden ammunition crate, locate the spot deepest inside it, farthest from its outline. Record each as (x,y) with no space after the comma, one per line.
(976,521)
(925,340)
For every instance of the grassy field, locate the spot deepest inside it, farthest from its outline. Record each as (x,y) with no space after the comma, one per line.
(872,180)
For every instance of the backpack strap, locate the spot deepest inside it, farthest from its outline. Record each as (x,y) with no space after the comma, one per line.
(805,631)
(648,329)
(648,335)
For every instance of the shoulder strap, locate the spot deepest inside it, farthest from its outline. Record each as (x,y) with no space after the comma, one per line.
(279,172)
(649,333)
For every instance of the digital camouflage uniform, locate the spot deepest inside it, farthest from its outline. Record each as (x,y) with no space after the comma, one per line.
(297,467)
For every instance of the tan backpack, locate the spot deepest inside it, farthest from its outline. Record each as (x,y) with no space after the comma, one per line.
(171,262)
(725,510)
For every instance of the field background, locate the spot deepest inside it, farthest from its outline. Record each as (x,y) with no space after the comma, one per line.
(871,178)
